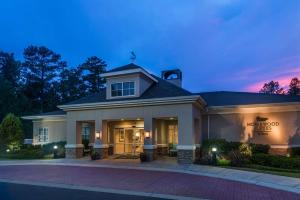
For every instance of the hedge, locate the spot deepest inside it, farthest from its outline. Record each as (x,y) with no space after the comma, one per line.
(276,161)
(224,147)
(294,151)
(36,152)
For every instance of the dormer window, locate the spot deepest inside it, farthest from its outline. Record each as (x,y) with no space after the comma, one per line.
(122,89)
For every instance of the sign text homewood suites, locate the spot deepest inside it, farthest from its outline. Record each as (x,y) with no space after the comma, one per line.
(262,126)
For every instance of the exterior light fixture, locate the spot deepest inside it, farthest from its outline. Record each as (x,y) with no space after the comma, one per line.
(147,134)
(98,135)
(138,119)
(7,150)
(171,118)
(214,149)
(122,119)
(55,147)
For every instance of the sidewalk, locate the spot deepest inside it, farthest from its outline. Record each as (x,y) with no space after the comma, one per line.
(258,179)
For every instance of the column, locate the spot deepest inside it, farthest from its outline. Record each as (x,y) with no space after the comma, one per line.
(186,139)
(74,146)
(101,146)
(150,138)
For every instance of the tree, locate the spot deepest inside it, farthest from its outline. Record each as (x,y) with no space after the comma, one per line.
(11,133)
(42,67)
(272,88)
(72,85)
(92,68)
(9,68)
(294,87)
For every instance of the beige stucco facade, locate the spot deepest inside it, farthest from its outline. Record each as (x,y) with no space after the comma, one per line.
(57,130)
(155,125)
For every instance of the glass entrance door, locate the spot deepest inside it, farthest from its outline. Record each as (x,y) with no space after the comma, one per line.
(129,140)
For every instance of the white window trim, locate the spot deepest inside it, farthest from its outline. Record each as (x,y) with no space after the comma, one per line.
(134,89)
(43,141)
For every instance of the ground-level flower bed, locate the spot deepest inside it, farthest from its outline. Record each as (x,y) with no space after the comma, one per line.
(252,157)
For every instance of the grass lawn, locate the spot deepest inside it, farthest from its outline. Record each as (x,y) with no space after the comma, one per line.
(268,170)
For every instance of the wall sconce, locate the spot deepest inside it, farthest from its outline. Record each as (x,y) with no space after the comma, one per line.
(98,135)
(147,134)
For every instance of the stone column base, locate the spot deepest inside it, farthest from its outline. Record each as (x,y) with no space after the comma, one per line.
(186,154)
(74,151)
(150,152)
(102,150)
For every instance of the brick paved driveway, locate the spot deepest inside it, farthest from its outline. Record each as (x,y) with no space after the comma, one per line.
(144,181)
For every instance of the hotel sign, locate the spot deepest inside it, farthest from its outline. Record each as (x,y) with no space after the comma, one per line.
(262,126)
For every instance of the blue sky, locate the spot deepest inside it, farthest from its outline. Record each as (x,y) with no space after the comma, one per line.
(218,44)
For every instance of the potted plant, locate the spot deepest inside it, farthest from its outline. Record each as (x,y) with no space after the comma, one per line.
(143,157)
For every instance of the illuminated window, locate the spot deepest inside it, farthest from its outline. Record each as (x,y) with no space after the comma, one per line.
(43,135)
(122,89)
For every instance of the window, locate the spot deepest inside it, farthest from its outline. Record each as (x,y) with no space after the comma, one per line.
(122,89)
(43,135)
(85,132)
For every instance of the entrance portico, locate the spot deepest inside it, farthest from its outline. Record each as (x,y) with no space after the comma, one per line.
(154,130)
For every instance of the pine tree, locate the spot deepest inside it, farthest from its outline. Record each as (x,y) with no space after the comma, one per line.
(42,67)
(92,69)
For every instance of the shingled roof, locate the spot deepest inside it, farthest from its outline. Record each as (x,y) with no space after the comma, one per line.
(161,89)
(224,98)
(125,67)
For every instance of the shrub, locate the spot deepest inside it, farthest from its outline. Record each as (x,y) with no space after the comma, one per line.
(294,151)
(276,161)
(11,132)
(48,149)
(237,159)
(260,148)
(29,153)
(223,162)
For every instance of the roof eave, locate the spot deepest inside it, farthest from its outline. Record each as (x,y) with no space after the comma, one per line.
(134,103)
(129,71)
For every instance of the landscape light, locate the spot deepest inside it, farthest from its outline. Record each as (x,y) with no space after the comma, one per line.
(7,150)
(214,149)
(55,147)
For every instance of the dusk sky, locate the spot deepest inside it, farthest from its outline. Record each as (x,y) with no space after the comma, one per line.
(218,44)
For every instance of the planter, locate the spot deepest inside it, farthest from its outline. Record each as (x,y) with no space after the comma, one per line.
(143,157)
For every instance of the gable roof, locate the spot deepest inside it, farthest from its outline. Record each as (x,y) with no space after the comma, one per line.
(128,69)
(161,89)
(224,98)
(130,66)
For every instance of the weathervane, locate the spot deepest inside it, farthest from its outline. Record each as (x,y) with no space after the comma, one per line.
(132,56)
